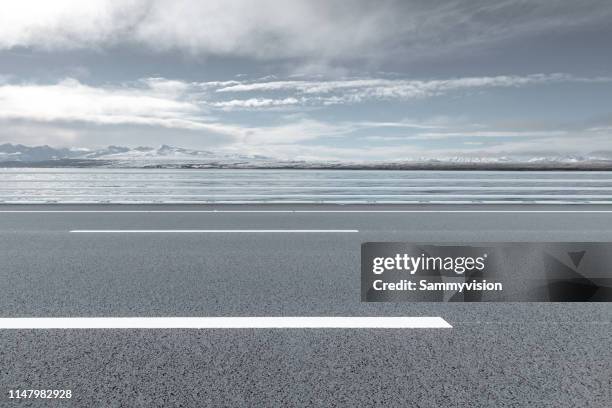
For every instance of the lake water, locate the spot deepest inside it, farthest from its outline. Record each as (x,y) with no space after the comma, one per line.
(301,186)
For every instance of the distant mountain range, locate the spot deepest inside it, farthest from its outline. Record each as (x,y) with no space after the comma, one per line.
(120,156)
(17,155)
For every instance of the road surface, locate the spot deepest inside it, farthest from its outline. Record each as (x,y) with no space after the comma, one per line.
(284,261)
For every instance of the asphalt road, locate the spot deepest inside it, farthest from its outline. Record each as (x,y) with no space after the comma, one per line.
(503,354)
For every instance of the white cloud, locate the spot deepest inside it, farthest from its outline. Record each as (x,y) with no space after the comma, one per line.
(489,134)
(406,87)
(153,102)
(600,129)
(70,100)
(264,28)
(66,24)
(402,124)
(255,103)
(167,87)
(316,92)
(315,29)
(184,105)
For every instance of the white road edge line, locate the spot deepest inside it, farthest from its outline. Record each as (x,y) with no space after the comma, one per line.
(259,322)
(187,231)
(306,211)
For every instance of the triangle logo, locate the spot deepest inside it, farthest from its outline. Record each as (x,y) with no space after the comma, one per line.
(576,257)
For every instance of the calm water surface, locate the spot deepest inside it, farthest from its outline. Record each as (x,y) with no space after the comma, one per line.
(300,186)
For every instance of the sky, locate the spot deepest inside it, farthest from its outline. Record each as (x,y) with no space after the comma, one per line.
(311,79)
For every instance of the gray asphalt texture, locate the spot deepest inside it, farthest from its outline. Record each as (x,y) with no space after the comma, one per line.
(497,354)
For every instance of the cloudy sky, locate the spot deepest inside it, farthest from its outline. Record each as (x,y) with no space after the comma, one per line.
(309,79)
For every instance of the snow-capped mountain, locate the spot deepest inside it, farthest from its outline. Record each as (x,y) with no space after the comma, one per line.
(18,152)
(120,155)
(171,156)
(164,151)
